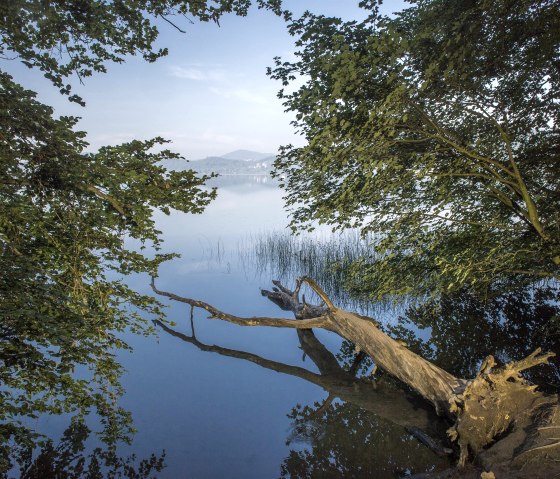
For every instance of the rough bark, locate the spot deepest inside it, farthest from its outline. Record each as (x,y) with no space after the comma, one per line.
(500,419)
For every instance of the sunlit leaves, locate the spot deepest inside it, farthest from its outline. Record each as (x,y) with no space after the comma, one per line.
(66,215)
(418,130)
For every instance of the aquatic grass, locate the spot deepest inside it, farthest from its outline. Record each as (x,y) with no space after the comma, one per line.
(283,256)
(331,259)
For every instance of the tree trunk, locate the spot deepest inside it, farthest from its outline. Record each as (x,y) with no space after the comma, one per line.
(497,404)
(431,382)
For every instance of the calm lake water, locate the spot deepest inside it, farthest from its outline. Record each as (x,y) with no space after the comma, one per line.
(246,402)
(217,416)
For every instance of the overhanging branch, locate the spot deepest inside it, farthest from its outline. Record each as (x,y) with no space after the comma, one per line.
(215,313)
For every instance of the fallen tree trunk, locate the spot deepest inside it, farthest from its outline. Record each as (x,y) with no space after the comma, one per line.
(431,382)
(498,403)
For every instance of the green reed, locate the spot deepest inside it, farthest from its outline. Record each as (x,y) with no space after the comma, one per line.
(283,256)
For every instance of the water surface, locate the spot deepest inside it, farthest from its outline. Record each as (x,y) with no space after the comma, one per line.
(226,416)
(248,402)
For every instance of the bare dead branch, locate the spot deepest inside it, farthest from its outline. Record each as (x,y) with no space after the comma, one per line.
(315,287)
(253,358)
(534,359)
(318,322)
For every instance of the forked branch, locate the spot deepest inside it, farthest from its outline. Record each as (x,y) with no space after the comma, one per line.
(315,287)
(318,322)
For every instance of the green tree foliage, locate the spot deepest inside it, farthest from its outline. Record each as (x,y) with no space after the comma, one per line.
(65,217)
(438,129)
(68,218)
(66,37)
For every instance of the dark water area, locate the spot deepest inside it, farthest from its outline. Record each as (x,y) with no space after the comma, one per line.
(244,402)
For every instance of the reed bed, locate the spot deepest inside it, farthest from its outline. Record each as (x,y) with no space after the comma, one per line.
(283,256)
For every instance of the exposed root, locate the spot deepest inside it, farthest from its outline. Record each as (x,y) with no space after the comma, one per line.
(492,402)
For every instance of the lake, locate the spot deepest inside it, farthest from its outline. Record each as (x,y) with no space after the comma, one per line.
(236,402)
(218,416)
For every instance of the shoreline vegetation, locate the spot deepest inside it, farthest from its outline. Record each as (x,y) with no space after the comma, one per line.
(432,131)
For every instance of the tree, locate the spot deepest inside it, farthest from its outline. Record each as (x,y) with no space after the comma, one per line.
(436,131)
(65,217)
(463,328)
(65,214)
(498,416)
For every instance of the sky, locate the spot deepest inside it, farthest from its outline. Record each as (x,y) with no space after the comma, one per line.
(209,96)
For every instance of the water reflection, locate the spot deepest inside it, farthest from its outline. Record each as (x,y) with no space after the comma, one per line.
(71,458)
(364,428)
(222,268)
(176,395)
(350,442)
(464,329)
(456,331)
(244,183)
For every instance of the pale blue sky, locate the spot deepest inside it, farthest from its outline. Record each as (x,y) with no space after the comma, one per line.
(210,95)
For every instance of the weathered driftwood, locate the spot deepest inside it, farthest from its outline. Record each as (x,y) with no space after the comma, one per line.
(497,404)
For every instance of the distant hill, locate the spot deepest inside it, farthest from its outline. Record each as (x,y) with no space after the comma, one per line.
(246,155)
(239,162)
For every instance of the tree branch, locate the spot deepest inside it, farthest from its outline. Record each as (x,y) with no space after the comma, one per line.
(534,359)
(315,287)
(467,222)
(97,192)
(295,371)
(318,322)
(172,24)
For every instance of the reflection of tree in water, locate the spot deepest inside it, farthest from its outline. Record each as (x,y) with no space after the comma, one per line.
(465,329)
(73,225)
(346,441)
(372,430)
(69,459)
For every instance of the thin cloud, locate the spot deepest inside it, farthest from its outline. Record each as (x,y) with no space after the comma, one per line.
(242,94)
(196,73)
